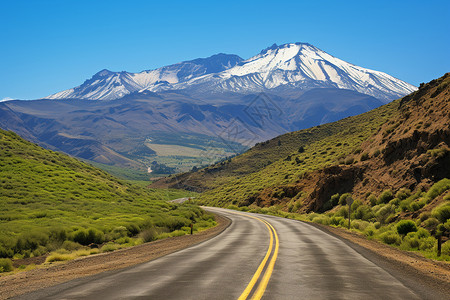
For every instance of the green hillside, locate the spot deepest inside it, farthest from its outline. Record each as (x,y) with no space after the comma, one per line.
(49,200)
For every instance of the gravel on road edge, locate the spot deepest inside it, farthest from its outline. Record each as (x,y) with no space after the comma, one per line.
(56,273)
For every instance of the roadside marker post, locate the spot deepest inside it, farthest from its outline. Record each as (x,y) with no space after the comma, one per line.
(349,202)
(192,228)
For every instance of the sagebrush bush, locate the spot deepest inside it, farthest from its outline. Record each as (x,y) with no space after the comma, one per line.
(418,204)
(372,199)
(5,253)
(31,240)
(343,198)
(390,238)
(438,188)
(406,226)
(363,212)
(71,246)
(109,247)
(58,257)
(322,219)
(385,213)
(409,243)
(148,235)
(385,197)
(334,199)
(427,243)
(337,221)
(403,193)
(5,265)
(442,212)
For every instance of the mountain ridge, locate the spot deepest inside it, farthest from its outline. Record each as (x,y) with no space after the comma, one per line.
(292,66)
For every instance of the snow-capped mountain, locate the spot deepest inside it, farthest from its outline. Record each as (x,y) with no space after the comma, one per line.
(277,69)
(107,85)
(298,66)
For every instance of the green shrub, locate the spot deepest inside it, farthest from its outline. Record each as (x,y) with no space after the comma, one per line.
(321,219)
(446,248)
(438,188)
(334,199)
(390,238)
(423,216)
(58,257)
(148,235)
(86,237)
(427,243)
(369,231)
(431,224)
(109,247)
(385,197)
(337,221)
(359,225)
(403,193)
(6,252)
(31,241)
(442,212)
(418,204)
(5,265)
(364,212)
(71,246)
(372,199)
(342,212)
(406,226)
(410,242)
(343,198)
(385,213)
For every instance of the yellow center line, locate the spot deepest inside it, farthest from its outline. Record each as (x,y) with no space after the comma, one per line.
(265,280)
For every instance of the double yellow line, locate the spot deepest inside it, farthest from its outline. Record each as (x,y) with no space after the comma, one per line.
(268,272)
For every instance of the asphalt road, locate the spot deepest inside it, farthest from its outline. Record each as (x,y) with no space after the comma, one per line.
(256,256)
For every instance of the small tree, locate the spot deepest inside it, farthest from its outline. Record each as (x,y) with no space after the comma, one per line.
(301,149)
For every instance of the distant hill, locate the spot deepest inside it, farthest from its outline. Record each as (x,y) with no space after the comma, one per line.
(48,198)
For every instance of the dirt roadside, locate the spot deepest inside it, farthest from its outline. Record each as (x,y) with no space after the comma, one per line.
(28,281)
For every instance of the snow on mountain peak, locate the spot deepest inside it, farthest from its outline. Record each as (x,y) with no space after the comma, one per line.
(299,66)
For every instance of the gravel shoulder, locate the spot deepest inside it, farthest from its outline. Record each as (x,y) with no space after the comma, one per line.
(56,273)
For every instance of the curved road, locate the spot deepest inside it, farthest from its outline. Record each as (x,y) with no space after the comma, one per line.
(256,256)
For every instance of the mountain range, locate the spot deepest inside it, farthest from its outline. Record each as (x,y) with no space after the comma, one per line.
(178,115)
(277,69)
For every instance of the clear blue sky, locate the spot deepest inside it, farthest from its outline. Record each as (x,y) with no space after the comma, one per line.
(49,46)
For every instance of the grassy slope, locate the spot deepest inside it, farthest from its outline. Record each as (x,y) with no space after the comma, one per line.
(45,197)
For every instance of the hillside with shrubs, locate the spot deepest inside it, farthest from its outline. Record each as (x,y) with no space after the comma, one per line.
(393,162)
(51,203)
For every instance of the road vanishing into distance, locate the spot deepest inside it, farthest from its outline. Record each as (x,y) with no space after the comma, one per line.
(256,257)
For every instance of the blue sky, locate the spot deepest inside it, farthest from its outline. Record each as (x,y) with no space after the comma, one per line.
(49,46)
